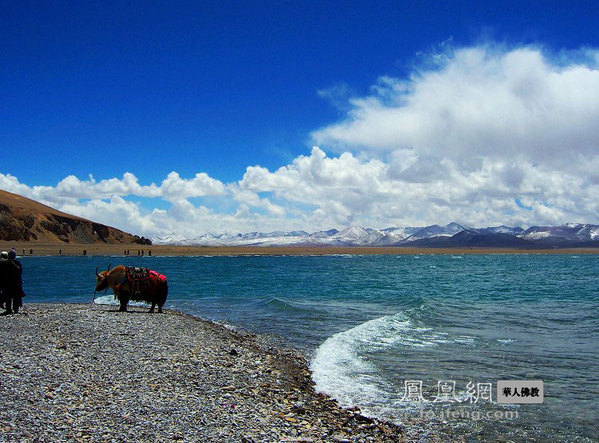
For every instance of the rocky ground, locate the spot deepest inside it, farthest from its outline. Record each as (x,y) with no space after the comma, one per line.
(87,373)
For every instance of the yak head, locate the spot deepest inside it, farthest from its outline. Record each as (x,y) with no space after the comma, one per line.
(102,279)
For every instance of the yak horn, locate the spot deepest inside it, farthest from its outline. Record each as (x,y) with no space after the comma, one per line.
(108,266)
(97,275)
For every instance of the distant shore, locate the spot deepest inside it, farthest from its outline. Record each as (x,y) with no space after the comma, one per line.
(30,248)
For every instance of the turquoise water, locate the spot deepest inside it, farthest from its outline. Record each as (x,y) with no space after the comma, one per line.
(371,323)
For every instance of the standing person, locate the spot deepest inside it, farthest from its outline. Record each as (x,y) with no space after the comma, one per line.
(3,277)
(14,284)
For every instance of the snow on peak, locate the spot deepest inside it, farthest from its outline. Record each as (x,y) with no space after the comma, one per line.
(570,233)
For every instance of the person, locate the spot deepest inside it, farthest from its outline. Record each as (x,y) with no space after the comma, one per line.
(3,264)
(13,284)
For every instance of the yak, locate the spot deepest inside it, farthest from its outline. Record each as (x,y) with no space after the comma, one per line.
(133,283)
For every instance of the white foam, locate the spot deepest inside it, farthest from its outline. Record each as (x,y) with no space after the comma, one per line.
(340,366)
(339,371)
(110,300)
(464,339)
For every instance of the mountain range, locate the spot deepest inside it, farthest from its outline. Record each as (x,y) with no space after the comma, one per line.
(453,235)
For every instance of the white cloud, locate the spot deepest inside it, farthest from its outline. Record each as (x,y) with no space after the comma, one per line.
(115,212)
(11,183)
(251,199)
(480,102)
(174,187)
(338,95)
(486,124)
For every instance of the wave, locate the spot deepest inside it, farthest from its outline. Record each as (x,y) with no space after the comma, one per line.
(279,304)
(342,366)
(110,300)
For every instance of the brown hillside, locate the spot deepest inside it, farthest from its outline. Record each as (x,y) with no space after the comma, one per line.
(25,220)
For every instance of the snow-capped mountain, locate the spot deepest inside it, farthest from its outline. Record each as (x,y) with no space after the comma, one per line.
(436,231)
(451,235)
(565,234)
(401,233)
(358,236)
(502,230)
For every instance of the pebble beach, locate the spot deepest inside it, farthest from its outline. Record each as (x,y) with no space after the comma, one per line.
(80,372)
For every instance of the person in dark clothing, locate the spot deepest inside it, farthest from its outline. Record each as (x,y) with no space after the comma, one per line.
(3,265)
(13,285)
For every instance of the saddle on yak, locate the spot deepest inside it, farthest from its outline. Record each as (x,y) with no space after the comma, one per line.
(141,280)
(134,273)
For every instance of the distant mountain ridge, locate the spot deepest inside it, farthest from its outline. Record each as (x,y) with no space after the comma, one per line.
(25,220)
(452,235)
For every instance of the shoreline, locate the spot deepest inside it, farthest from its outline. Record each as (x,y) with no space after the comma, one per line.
(25,249)
(72,372)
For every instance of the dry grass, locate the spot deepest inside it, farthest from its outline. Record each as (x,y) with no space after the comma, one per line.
(31,248)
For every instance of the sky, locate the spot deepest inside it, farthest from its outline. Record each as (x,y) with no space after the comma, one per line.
(241,116)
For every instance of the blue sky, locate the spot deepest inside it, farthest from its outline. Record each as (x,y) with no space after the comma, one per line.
(196,117)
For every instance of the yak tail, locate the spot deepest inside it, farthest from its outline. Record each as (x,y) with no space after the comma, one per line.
(165,291)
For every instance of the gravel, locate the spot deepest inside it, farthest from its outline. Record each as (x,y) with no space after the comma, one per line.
(73,372)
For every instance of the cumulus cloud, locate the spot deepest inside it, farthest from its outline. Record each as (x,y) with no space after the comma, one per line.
(480,102)
(249,198)
(348,190)
(174,187)
(485,124)
(483,136)
(115,211)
